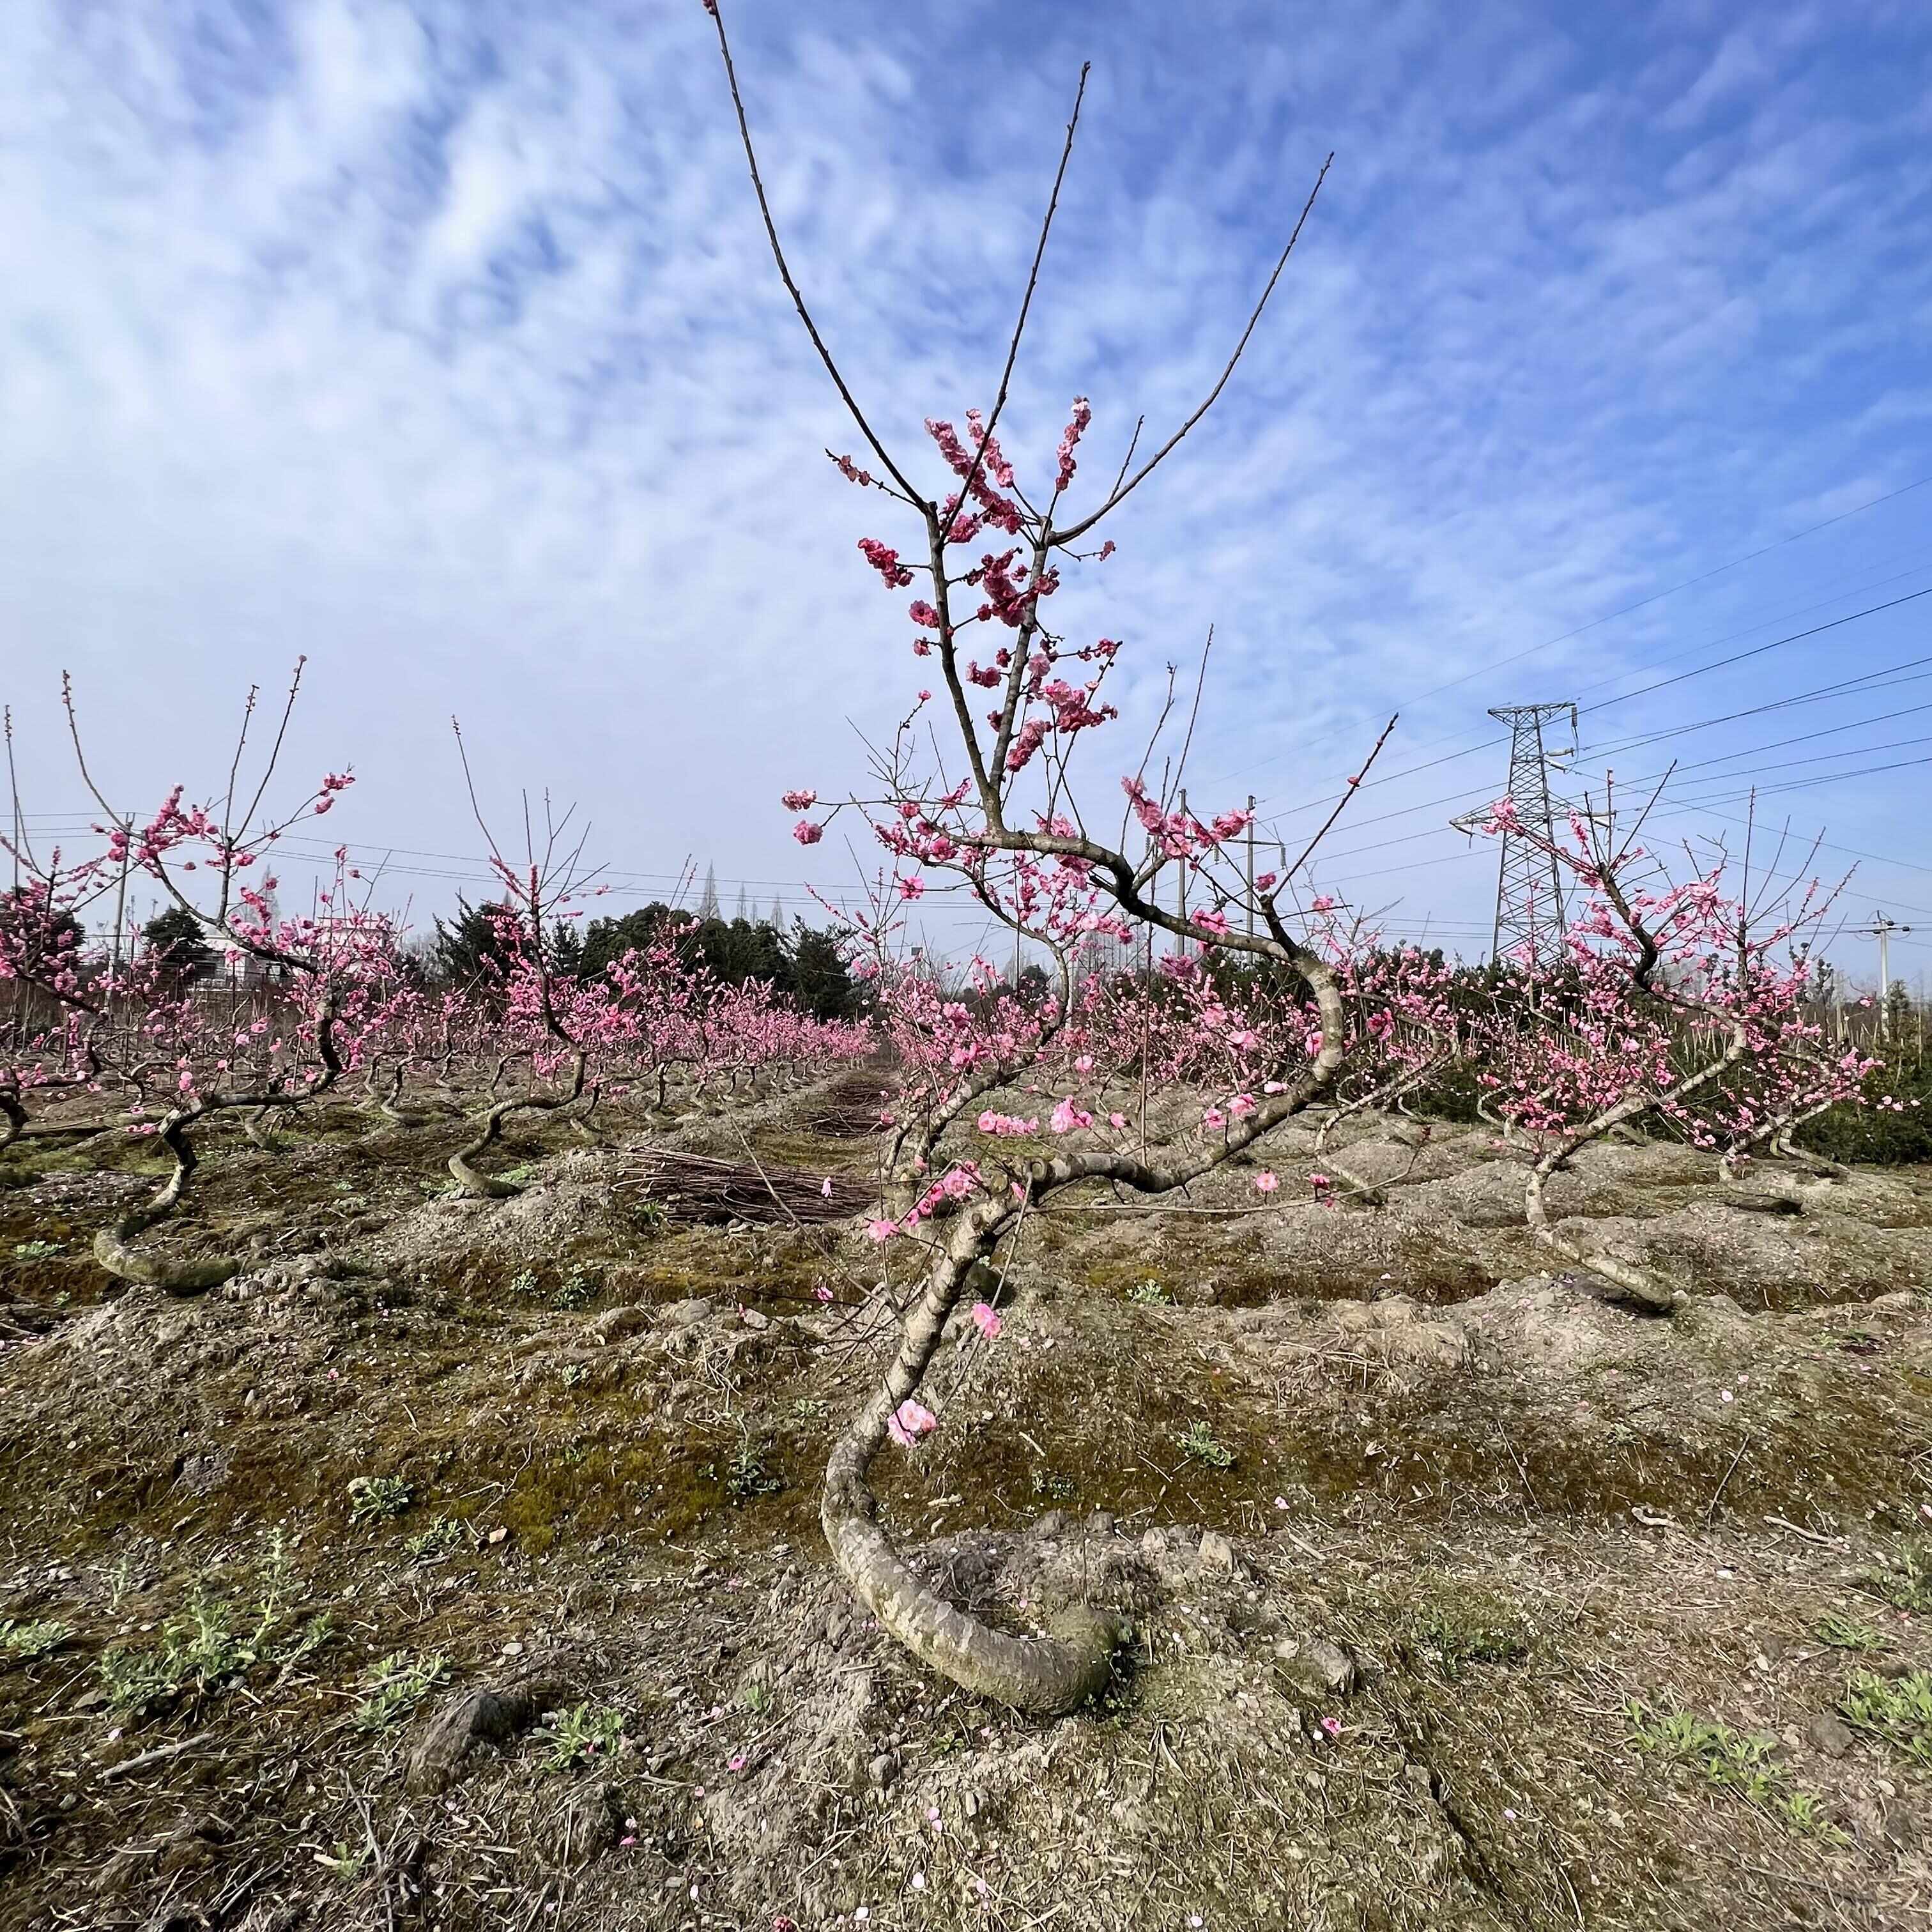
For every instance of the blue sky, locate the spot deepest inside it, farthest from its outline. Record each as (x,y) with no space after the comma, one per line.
(441,344)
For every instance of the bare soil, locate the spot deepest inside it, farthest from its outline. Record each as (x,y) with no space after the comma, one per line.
(457,1565)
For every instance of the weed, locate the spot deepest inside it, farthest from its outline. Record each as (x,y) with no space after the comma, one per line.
(35,1251)
(1848,1633)
(1898,1709)
(395,1685)
(523,1282)
(1056,1488)
(518,1175)
(377,1498)
(578,1289)
(1906,1583)
(648,1214)
(445,1534)
(211,1642)
(807,1408)
(1202,1444)
(1800,1812)
(1732,1760)
(344,1862)
(745,1475)
(1149,1291)
(1477,1628)
(757,1699)
(120,1580)
(574,1373)
(584,1734)
(1729,1760)
(27,1641)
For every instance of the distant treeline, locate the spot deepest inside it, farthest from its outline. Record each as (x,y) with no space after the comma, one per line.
(802,963)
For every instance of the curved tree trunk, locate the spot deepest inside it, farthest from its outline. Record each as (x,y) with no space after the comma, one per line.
(473,1181)
(1041,1675)
(1642,1288)
(113,1245)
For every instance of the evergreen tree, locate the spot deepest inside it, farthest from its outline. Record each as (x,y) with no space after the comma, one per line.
(179,937)
(471,947)
(566,948)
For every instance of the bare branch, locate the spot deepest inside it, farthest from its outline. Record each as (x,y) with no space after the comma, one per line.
(1066,536)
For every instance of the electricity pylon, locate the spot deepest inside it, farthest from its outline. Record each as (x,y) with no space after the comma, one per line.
(1530,915)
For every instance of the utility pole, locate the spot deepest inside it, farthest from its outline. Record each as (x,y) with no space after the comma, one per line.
(1183,878)
(1251,865)
(1016,929)
(121,896)
(1882,928)
(1529,916)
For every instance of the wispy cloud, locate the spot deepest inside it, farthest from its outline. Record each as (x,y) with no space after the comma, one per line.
(441,343)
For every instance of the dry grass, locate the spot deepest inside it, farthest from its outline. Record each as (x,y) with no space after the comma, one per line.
(1578,1581)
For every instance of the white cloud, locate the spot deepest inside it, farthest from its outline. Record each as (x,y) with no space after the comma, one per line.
(444,346)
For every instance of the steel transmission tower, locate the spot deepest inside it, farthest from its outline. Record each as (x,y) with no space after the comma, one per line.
(1529,885)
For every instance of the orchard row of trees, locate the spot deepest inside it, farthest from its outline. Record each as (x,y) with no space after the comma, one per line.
(335,995)
(1682,1003)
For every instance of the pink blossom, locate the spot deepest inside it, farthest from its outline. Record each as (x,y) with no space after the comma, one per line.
(909,1421)
(799,801)
(1066,1116)
(986,1321)
(881,1230)
(1265,1182)
(807,833)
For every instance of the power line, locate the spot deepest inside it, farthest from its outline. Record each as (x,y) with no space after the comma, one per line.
(1498,664)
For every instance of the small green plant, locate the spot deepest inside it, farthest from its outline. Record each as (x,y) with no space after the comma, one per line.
(207,1645)
(344,1861)
(1800,1813)
(648,1214)
(1735,1760)
(120,1580)
(1202,1444)
(1454,1632)
(1055,1487)
(1844,1632)
(523,1282)
(1905,1582)
(377,1498)
(35,1251)
(395,1686)
(1150,1291)
(745,1475)
(518,1175)
(578,1289)
(29,1640)
(1743,1762)
(757,1699)
(1898,1709)
(584,1734)
(445,1534)
(806,1408)
(574,1373)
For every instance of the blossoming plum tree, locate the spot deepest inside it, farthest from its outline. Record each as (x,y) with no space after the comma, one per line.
(334,965)
(989,557)
(1677,1001)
